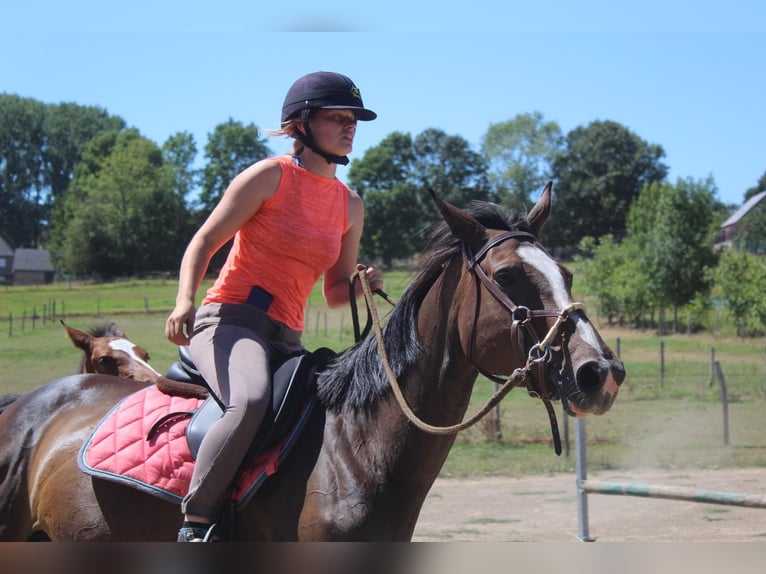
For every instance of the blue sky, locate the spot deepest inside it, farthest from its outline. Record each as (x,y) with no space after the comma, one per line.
(689,76)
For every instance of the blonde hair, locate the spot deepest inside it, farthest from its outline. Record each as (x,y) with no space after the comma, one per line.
(289,129)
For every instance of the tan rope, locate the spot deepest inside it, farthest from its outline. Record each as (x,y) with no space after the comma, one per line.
(554,330)
(513,380)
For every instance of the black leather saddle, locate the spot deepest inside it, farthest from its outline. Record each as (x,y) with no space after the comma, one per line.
(293,384)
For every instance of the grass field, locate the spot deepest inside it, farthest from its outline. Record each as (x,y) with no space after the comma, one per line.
(664,417)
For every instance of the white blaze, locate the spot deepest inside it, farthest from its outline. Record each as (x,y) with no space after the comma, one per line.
(548,268)
(127,347)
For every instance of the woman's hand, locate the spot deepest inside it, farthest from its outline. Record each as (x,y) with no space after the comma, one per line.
(374,276)
(180,323)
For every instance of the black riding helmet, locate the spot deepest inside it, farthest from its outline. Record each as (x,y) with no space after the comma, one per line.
(323,90)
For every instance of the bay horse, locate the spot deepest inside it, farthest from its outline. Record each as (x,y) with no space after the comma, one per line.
(486,298)
(108,351)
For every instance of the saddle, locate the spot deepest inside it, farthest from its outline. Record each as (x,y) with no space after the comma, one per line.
(150,439)
(293,384)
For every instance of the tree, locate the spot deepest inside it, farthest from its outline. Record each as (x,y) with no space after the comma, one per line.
(751,235)
(739,280)
(393,179)
(599,173)
(758,188)
(118,216)
(40,144)
(615,277)
(22,138)
(520,152)
(674,227)
(448,165)
(230,149)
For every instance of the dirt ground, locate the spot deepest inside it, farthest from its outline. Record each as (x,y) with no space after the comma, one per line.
(538,508)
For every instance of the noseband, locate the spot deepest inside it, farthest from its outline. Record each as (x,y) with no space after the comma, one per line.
(521,323)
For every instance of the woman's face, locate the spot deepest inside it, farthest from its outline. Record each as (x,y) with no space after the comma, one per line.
(334,130)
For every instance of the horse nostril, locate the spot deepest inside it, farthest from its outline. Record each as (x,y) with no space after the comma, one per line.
(589,378)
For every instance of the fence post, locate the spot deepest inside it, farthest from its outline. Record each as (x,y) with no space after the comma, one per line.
(10,324)
(712,367)
(724,402)
(618,347)
(582,476)
(662,363)
(496,417)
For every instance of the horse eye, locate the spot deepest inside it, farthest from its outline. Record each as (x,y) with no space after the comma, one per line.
(106,361)
(504,277)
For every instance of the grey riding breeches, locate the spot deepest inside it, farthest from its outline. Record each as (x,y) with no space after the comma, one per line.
(232,347)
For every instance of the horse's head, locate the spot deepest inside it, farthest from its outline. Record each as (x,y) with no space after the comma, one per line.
(515,310)
(108,351)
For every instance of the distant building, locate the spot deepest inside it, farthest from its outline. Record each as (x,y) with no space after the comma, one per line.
(24,266)
(729,228)
(6,262)
(32,267)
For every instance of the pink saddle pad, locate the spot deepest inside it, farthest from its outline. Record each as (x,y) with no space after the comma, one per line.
(126,447)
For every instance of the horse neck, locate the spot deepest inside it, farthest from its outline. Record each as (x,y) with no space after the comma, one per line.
(443,380)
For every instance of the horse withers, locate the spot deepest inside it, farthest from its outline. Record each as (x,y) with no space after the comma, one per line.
(487,298)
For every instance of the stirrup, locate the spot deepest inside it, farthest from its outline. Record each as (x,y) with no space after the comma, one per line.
(197,534)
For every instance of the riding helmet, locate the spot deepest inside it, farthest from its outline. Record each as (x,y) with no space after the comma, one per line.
(324,90)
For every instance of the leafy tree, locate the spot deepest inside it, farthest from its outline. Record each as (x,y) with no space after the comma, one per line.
(39,146)
(22,138)
(230,148)
(448,165)
(751,235)
(381,177)
(179,152)
(520,152)
(599,173)
(739,279)
(68,129)
(393,179)
(117,218)
(674,228)
(758,188)
(615,278)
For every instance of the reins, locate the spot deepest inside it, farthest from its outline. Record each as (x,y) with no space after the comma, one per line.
(539,353)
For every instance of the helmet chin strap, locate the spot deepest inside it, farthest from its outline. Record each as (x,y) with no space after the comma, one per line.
(307,139)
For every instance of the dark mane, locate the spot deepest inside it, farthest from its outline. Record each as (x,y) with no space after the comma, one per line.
(106,329)
(355,378)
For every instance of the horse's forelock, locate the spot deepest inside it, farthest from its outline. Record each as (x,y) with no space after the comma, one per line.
(106,329)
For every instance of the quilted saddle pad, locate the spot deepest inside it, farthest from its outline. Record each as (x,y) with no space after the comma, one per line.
(142,442)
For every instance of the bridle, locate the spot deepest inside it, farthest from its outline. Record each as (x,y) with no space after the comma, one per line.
(538,356)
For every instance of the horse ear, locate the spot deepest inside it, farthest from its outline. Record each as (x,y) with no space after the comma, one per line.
(462,224)
(81,339)
(542,209)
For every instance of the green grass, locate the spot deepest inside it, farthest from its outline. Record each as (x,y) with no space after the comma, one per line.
(671,420)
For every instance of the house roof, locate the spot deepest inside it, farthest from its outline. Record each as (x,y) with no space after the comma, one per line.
(32,260)
(742,211)
(5,249)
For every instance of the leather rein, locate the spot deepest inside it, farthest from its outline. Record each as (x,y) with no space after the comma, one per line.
(521,321)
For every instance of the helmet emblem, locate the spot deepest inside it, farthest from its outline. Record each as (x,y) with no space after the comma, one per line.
(356,93)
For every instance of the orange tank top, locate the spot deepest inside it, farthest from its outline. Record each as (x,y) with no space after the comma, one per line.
(287,244)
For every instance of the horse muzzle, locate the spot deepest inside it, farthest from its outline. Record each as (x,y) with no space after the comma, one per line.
(594,387)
